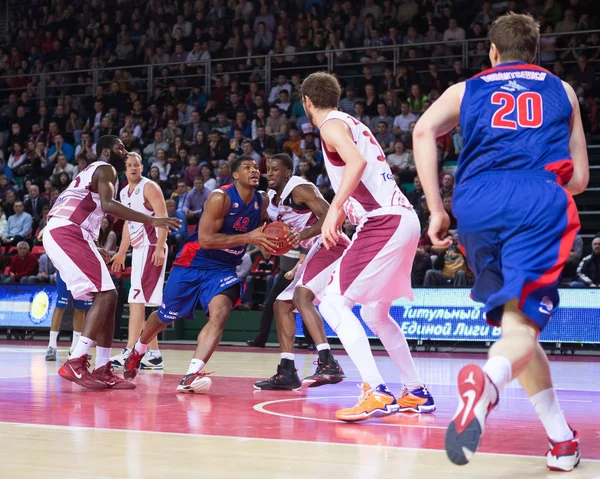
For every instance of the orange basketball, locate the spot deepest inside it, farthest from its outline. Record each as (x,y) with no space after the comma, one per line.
(277,232)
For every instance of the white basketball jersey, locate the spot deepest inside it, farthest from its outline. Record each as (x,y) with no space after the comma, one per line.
(139,233)
(79,205)
(377,188)
(284,209)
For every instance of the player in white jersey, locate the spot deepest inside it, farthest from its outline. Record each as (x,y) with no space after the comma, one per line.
(148,258)
(375,269)
(73,226)
(298,203)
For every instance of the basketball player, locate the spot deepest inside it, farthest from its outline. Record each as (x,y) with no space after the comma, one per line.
(375,268)
(148,260)
(73,226)
(299,204)
(204,270)
(525,143)
(80,307)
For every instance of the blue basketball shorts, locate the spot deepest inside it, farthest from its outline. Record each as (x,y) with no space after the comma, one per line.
(186,287)
(516,229)
(63,296)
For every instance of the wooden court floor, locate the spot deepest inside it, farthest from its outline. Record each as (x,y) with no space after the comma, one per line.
(50,428)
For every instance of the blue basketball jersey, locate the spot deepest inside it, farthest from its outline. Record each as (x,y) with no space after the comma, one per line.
(240,219)
(515,116)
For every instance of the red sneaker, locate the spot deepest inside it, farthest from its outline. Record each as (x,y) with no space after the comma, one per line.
(105,374)
(76,370)
(132,364)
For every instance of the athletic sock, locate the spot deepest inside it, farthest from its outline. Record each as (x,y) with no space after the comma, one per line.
(76,336)
(140,348)
(548,410)
(83,346)
(155,353)
(53,339)
(196,366)
(499,370)
(102,357)
(289,356)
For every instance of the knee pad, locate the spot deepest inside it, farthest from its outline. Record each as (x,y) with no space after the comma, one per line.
(376,316)
(333,307)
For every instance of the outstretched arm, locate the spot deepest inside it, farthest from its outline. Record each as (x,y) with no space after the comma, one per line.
(438,120)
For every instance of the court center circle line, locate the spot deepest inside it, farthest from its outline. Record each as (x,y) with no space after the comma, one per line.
(260,407)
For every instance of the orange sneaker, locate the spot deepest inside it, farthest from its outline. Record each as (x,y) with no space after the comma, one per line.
(371,403)
(418,400)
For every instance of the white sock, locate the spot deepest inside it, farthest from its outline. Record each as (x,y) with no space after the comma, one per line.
(337,311)
(499,370)
(155,353)
(378,319)
(548,410)
(322,346)
(82,347)
(196,366)
(140,348)
(102,357)
(76,336)
(289,356)
(53,339)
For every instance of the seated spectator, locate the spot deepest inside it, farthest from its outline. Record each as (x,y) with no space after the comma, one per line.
(207,175)
(385,139)
(447,188)
(360,113)
(225,177)
(9,202)
(23,265)
(34,205)
(176,237)
(248,149)
(264,269)
(46,272)
(415,195)
(262,141)
(18,227)
(382,115)
(294,141)
(107,238)
(180,194)
(421,265)
(3,223)
(62,167)
(192,171)
(450,269)
(588,272)
(457,140)
(570,270)
(447,202)
(348,228)
(403,120)
(194,201)
(61,148)
(402,162)
(305,171)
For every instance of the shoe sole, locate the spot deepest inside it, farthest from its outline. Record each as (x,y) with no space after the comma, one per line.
(81,383)
(387,411)
(418,409)
(124,385)
(51,359)
(205,387)
(316,382)
(460,446)
(279,388)
(558,469)
(152,368)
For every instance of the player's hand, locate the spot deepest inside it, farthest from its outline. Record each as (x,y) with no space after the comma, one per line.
(291,273)
(158,257)
(439,224)
(172,224)
(293,237)
(332,226)
(258,238)
(118,262)
(105,255)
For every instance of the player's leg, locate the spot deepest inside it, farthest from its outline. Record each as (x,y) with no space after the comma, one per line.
(78,319)
(328,370)
(415,397)
(57,316)
(286,378)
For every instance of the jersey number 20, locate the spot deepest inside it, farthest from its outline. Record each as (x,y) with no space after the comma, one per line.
(528,106)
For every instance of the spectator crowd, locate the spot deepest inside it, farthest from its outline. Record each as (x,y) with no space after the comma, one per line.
(69,74)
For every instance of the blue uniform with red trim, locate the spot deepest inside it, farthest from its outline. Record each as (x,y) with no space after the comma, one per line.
(199,274)
(516,222)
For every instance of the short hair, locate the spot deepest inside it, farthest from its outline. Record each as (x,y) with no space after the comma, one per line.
(286,160)
(23,243)
(516,37)
(106,141)
(135,155)
(323,90)
(170,202)
(235,165)
(199,178)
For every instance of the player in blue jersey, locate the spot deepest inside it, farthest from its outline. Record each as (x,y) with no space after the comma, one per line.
(204,270)
(524,157)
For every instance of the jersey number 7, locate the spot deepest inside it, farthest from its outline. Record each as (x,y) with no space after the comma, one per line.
(529,110)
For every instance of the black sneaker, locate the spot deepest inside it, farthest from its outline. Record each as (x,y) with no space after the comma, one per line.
(327,372)
(286,379)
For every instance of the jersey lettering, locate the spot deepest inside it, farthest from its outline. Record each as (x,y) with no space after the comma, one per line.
(373,140)
(529,110)
(241,224)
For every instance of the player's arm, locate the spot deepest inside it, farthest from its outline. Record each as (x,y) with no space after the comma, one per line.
(307,195)
(577,147)
(439,119)
(264,216)
(105,177)
(337,137)
(154,196)
(211,222)
(118,260)
(292,272)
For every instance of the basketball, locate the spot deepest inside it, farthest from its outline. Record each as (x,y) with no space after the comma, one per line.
(277,232)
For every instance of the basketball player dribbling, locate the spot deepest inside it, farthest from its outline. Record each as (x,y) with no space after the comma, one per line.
(375,268)
(148,259)
(524,157)
(73,226)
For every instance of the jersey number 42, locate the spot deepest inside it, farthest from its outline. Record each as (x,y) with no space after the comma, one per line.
(528,106)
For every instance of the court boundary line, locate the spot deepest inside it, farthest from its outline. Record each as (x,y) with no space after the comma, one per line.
(248,439)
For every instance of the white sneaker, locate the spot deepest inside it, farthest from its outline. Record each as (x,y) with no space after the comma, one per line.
(51,354)
(152,363)
(195,383)
(564,456)
(118,361)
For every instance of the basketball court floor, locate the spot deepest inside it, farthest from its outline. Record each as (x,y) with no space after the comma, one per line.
(54,429)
